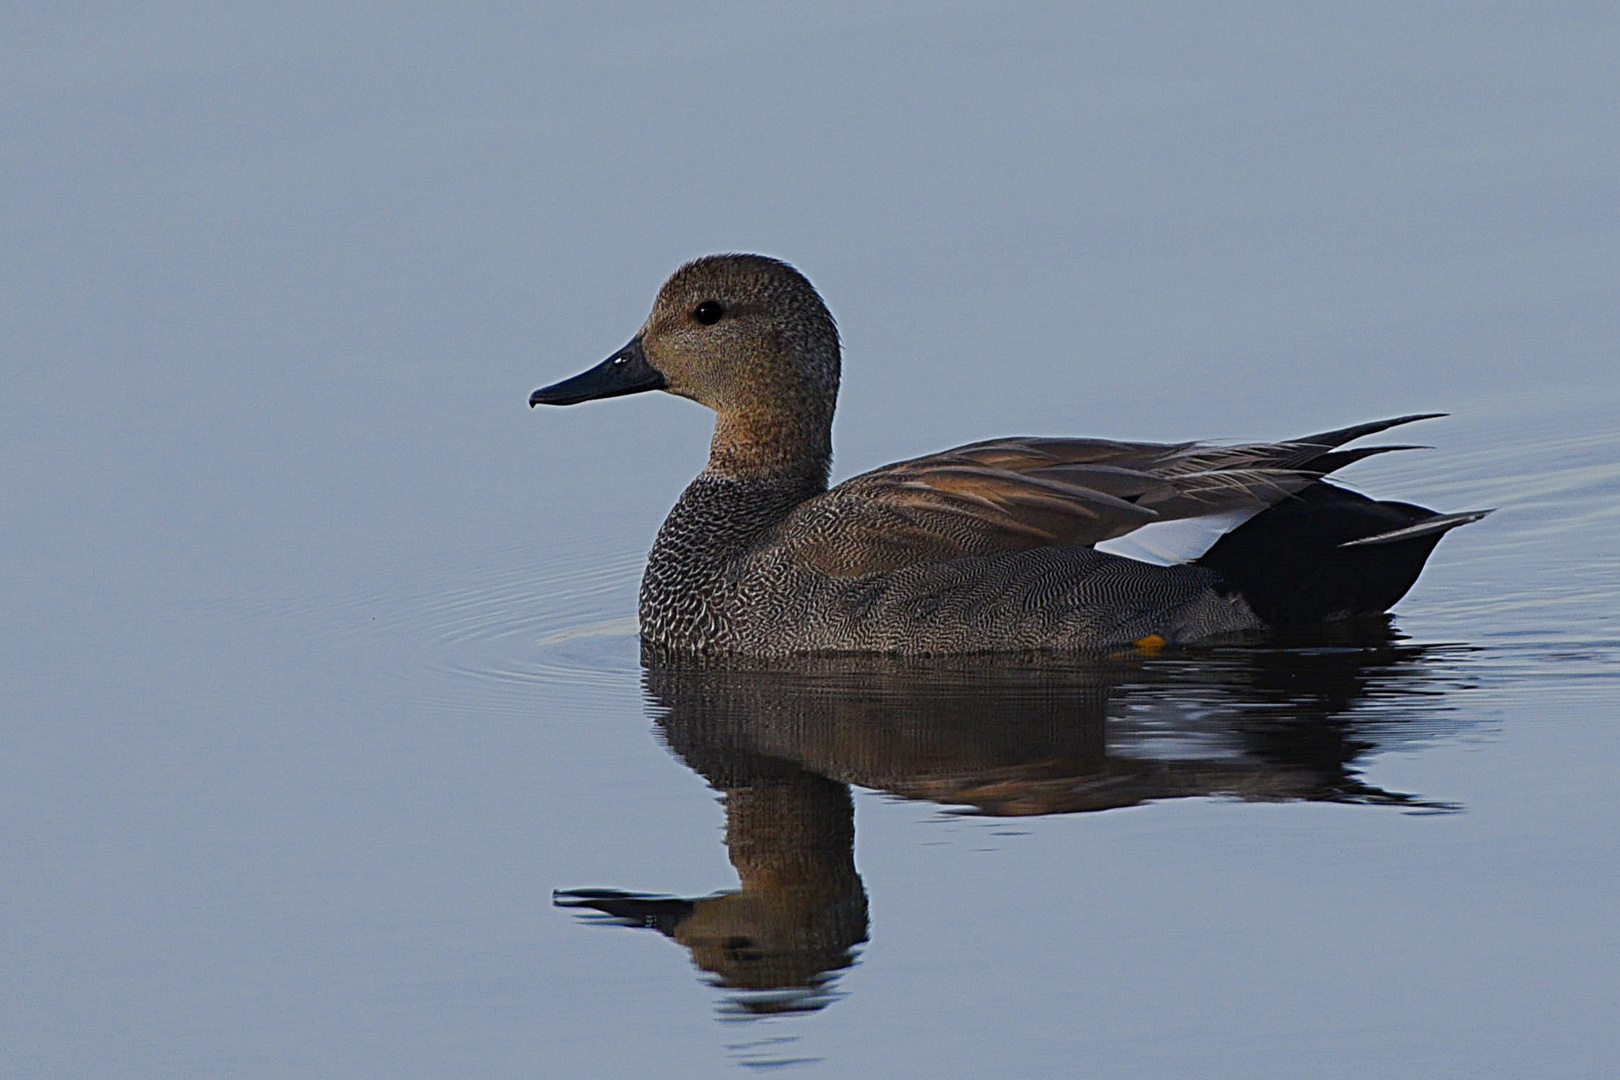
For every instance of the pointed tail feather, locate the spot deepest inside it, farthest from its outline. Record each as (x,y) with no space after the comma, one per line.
(1334,460)
(1440,523)
(1340,436)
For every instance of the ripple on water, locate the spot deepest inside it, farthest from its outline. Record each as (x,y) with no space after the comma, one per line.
(571,625)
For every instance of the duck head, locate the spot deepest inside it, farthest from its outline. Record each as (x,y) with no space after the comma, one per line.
(747,336)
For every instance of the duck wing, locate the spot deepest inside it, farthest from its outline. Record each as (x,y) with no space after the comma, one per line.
(1021,493)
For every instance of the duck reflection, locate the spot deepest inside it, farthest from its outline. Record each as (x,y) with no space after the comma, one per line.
(992,735)
(801,909)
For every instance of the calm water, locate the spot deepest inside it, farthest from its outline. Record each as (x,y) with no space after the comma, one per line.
(327,747)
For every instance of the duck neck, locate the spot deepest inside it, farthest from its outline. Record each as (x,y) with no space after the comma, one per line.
(770,445)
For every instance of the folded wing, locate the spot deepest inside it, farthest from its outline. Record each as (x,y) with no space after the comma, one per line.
(1021,493)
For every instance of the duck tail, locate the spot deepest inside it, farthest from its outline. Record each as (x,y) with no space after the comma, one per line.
(1328,553)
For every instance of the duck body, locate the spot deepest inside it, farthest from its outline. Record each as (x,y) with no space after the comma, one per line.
(1022,544)
(727,575)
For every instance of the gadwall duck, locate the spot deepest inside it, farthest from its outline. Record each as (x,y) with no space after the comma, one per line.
(1007,545)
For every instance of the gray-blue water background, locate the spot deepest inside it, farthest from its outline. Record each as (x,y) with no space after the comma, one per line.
(319,671)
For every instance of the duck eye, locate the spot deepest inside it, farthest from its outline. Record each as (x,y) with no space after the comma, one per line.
(708,313)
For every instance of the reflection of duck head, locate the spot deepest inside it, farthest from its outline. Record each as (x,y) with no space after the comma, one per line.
(997,736)
(801,907)
(800,911)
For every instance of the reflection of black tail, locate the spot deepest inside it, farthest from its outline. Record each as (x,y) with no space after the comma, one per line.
(1329,553)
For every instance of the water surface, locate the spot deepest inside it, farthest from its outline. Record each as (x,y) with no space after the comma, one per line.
(327,745)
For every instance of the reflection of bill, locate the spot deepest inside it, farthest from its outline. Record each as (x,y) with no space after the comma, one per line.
(992,736)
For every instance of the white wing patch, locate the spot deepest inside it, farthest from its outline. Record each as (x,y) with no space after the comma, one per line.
(1170,543)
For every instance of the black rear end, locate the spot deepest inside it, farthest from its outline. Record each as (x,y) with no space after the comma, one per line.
(1292,565)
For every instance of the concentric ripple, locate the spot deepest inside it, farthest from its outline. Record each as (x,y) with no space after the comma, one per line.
(571,624)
